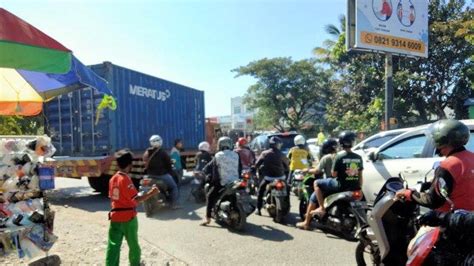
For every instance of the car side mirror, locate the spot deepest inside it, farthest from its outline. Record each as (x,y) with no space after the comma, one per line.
(372,156)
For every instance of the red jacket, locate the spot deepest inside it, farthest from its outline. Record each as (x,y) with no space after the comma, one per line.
(461,166)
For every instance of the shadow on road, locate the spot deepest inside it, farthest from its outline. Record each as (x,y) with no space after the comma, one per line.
(266,232)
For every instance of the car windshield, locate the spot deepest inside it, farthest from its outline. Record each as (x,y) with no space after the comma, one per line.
(288,142)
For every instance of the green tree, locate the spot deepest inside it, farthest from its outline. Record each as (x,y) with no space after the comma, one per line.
(17,125)
(288,94)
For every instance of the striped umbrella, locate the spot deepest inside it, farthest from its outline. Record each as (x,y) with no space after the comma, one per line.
(23,92)
(23,46)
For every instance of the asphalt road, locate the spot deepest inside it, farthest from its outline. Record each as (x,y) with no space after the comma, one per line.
(179,234)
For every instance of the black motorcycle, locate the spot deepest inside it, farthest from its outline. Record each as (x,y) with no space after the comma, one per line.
(345,214)
(277,200)
(252,181)
(233,206)
(157,201)
(197,187)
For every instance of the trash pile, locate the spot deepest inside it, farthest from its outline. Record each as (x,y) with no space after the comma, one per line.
(26,221)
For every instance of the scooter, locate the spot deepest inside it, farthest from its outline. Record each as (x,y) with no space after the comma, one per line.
(157,201)
(297,180)
(277,200)
(233,206)
(391,224)
(197,187)
(345,214)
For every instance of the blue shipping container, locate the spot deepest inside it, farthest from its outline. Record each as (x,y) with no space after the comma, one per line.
(146,105)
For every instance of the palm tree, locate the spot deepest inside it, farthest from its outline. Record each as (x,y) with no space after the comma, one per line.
(324,52)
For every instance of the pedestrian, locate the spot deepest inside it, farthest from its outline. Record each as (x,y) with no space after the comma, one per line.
(175,155)
(123,216)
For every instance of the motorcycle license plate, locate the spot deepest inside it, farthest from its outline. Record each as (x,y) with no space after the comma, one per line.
(278,193)
(359,204)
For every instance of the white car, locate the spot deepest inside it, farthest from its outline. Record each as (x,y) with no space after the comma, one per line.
(412,154)
(373,142)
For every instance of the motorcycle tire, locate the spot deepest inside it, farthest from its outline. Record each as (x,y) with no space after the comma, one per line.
(360,254)
(280,211)
(148,206)
(242,220)
(303,207)
(351,236)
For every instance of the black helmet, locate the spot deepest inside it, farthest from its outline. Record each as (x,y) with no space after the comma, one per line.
(347,138)
(329,146)
(275,142)
(224,143)
(449,132)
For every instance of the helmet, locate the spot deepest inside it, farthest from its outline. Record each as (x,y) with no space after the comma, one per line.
(204,146)
(156,141)
(347,138)
(449,132)
(275,142)
(329,146)
(224,143)
(242,142)
(299,140)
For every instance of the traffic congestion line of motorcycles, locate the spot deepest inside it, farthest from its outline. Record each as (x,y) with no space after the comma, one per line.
(390,231)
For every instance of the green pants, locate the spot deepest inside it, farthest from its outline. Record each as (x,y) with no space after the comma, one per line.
(117,231)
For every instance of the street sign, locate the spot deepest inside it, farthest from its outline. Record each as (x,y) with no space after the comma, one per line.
(394,26)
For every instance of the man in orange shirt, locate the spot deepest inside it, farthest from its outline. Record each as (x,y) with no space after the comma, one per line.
(123,216)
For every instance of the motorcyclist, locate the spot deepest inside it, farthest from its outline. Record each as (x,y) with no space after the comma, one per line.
(457,170)
(158,165)
(203,157)
(299,156)
(272,165)
(347,175)
(224,168)
(328,152)
(247,156)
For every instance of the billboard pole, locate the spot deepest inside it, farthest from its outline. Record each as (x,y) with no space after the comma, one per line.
(388,89)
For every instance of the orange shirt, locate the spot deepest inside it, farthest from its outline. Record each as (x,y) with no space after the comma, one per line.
(122,192)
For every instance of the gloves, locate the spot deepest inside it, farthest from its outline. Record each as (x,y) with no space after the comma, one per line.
(433,218)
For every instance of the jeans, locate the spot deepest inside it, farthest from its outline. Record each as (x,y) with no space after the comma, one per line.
(117,231)
(171,184)
(328,186)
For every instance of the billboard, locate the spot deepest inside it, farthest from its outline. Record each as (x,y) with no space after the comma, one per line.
(395,26)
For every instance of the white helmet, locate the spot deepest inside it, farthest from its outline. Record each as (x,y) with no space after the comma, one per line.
(299,140)
(204,146)
(156,141)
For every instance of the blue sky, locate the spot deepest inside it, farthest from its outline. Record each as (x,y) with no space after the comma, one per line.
(195,43)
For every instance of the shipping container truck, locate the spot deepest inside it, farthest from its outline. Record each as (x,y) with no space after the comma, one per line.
(146,105)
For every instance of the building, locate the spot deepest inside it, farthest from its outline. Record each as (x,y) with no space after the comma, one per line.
(242,117)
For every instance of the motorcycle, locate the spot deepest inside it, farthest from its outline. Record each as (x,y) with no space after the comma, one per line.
(306,189)
(277,200)
(197,187)
(157,201)
(392,236)
(391,224)
(296,183)
(252,183)
(233,206)
(345,214)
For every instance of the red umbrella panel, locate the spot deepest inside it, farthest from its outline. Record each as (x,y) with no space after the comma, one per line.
(23,46)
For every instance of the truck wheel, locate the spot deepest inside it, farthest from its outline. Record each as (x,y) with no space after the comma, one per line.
(100,184)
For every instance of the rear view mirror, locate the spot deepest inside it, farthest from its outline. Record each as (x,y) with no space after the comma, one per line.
(372,156)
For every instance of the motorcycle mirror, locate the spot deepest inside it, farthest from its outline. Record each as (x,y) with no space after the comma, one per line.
(405,182)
